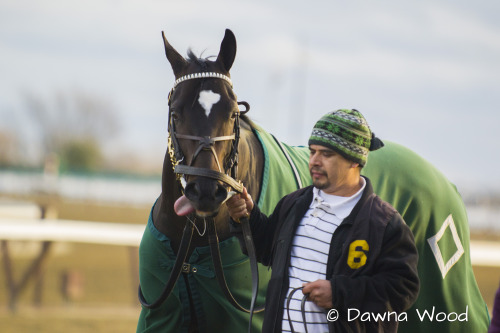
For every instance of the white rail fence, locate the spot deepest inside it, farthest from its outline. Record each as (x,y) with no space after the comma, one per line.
(22,222)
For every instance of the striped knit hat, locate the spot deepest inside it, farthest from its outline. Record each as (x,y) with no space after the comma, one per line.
(346,132)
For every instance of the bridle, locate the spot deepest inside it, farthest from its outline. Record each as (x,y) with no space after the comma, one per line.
(226,174)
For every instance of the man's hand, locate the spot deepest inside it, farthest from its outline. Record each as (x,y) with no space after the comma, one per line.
(240,205)
(319,292)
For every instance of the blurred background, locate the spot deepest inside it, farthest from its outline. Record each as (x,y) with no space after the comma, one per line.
(83,103)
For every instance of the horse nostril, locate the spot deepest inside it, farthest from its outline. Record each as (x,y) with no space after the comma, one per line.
(192,191)
(220,193)
(205,196)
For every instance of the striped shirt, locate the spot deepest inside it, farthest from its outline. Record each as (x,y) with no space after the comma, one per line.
(309,255)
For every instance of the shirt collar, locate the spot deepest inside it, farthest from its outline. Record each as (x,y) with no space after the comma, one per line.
(334,204)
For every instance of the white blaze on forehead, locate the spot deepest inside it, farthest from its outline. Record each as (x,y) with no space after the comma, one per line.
(207,99)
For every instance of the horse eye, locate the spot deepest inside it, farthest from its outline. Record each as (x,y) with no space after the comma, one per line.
(174,115)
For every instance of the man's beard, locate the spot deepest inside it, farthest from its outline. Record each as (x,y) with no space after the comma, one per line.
(320,184)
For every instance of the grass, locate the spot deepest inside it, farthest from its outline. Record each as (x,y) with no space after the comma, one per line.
(107,301)
(104,297)
(488,280)
(74,320)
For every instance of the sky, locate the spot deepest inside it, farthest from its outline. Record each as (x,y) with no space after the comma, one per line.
(425,73)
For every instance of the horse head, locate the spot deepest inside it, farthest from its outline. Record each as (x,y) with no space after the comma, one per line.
(203,127)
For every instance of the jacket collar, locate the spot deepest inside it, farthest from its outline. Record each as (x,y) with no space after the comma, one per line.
(305,199)
(366,194)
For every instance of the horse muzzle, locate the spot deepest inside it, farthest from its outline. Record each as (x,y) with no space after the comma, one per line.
(205,195)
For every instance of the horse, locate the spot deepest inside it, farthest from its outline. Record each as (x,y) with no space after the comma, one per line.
(212,143)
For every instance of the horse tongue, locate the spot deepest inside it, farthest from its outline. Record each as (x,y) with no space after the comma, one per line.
(183,206)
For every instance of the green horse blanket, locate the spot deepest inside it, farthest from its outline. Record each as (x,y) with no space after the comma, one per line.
(285,170)
(449,299)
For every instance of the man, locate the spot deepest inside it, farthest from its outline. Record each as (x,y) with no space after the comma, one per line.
(351,252)
(495,315)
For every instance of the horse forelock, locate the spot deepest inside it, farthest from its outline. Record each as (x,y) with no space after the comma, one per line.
(204,64)
(201,62)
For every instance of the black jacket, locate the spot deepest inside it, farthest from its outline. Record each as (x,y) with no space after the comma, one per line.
(386,281)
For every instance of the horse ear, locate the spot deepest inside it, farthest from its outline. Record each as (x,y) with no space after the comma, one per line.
(227,51)
(177,61)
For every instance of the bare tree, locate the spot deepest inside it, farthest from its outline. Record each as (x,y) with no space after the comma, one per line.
(72,123)
(9,148)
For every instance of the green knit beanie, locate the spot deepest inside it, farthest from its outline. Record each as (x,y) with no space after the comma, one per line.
(346,132)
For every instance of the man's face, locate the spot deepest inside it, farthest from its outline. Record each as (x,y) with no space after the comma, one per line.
(330,171)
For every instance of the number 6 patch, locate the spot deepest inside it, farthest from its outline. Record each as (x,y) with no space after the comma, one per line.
(357,253)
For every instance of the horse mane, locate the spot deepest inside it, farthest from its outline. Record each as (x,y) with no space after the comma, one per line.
(247,120)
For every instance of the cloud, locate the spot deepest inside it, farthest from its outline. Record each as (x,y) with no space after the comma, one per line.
(413,67)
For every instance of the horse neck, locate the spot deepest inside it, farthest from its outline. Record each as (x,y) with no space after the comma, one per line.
(164,217)
(251,160)
(250,165)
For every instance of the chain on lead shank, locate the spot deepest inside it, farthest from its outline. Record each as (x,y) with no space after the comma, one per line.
(173,160)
